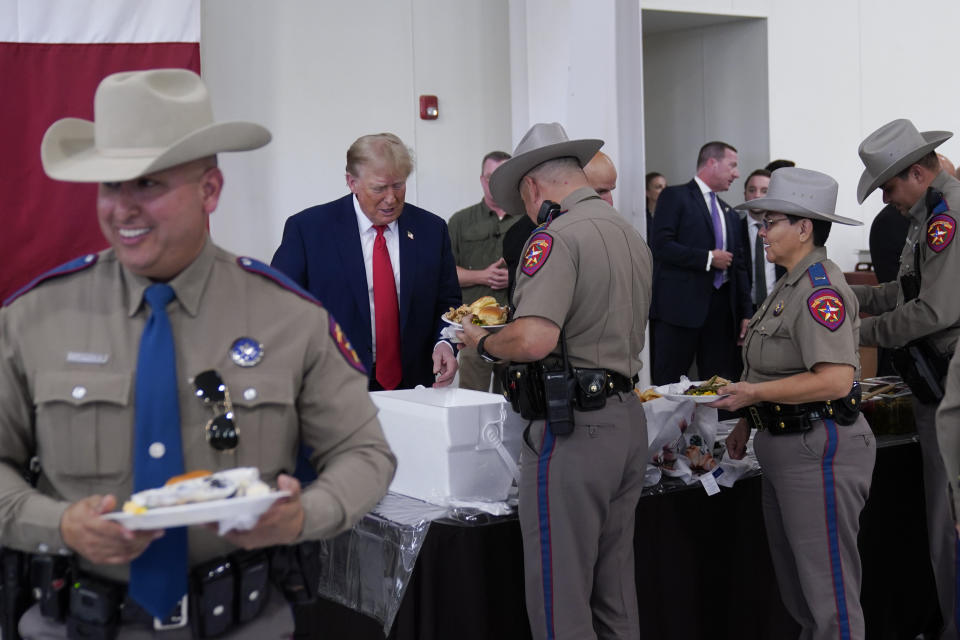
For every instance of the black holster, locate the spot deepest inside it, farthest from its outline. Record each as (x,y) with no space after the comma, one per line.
(295,570)
(538,392)
(923,368)
(523,387)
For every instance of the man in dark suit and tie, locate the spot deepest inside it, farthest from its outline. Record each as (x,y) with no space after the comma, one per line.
(761,273)
(701,293)
(387,278)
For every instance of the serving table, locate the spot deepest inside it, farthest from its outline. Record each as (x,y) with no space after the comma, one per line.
(702,568)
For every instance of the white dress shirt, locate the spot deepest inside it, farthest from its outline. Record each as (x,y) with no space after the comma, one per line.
(723,220)
(367,237)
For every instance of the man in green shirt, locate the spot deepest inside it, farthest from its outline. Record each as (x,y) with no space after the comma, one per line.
(476,235)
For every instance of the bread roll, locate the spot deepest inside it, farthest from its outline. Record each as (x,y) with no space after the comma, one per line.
(481,303)
(492,315)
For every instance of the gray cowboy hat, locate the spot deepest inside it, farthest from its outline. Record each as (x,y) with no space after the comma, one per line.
(800,192)
(543,142)
(891,149)
(144,122)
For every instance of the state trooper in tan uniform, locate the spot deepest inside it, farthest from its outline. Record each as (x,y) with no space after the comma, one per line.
(816,451)
(69,358)
(921,305)
(584,279)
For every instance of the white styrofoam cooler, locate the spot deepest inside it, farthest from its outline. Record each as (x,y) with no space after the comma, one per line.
(451,444)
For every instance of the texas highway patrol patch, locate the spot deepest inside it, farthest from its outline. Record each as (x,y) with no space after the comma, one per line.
(826,307)
(940,232)
(537,253)
(343,344)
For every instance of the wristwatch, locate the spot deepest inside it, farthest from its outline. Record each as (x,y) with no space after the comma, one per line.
(483,352)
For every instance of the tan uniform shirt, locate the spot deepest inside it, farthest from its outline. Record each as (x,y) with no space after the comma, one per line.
(68,360)
(590,273)
(936,311)
(785,336)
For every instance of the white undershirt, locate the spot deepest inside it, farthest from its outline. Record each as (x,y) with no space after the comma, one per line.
(368,236)
(753,228)
(723,222)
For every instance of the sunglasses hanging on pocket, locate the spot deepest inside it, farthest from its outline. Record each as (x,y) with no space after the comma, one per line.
(221,430)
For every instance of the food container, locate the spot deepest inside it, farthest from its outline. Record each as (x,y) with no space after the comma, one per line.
(890,412)
(451,444)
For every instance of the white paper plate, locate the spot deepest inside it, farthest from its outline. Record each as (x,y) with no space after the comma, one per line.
(459,327)
(675,391)
(240,510)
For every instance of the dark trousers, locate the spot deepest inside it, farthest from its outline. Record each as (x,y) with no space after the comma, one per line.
(713,345)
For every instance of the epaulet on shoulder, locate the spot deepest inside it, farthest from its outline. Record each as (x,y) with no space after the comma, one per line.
(818,275)
(281,279)
(77,264)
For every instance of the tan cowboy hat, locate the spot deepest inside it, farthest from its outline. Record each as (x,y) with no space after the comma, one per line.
(144,121)
(800,192)
(891,149)
(544,141)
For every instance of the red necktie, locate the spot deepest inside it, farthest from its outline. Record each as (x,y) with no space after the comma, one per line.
(387,313)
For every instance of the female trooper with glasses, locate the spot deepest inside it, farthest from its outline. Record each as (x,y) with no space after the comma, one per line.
(816,450)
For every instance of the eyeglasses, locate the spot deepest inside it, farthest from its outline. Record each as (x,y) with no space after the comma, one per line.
(221,430)
(769,222)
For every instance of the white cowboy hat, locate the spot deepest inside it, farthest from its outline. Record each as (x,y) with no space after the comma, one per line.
(144,121)
(801,192)
(544,141)
(891,149)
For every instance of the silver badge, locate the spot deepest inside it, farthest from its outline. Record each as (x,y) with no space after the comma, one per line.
(246,352)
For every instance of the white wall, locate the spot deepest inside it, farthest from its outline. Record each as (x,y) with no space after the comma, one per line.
(577,62)
(840,69)
(321,74)
(703,84)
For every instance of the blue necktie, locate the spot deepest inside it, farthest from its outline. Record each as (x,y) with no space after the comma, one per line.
(717,236)
(158,577)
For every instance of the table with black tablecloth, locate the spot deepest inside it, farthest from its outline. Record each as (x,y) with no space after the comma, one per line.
(702,569)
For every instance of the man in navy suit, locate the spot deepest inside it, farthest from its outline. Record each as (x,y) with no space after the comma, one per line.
(761,273)
(345,252)
(701,296)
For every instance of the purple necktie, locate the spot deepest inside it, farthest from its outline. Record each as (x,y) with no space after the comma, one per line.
(717,236)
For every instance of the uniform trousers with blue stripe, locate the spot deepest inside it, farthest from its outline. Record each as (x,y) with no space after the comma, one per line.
(815,485)
(578,499)
(941,533)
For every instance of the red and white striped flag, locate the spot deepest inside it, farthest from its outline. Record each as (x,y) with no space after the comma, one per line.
(53,54)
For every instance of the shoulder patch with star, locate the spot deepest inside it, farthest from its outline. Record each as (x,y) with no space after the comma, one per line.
(537,253)
(827,308)
(343,344)
(940,232)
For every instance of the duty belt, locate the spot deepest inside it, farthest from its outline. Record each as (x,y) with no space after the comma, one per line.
(781,418)
(619,383)
(788,418)
(223,593)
